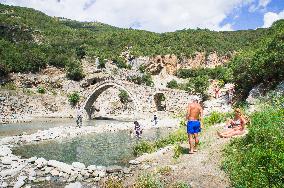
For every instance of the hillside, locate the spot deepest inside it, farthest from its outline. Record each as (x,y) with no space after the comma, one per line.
(32,40)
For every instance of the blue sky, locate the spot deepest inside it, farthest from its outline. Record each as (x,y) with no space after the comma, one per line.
(244,18)
(165,15)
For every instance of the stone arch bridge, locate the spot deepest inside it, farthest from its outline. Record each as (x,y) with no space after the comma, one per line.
(145,98)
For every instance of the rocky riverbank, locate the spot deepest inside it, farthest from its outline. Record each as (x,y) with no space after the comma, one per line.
(16,171)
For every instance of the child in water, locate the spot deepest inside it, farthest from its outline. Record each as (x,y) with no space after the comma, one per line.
(137,129)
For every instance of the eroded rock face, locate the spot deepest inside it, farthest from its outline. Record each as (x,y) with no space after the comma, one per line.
(172,64)
(156,64)
(201,59)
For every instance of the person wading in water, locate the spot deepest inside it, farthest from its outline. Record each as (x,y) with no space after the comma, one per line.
(194,125)
(79,117)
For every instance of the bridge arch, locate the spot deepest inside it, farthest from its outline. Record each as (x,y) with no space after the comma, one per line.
(99,89)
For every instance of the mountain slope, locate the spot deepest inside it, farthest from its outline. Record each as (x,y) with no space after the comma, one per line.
(61,41)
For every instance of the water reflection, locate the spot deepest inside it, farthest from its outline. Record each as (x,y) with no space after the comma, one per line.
(99,149)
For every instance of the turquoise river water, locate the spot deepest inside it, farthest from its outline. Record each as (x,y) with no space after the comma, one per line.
(109,148)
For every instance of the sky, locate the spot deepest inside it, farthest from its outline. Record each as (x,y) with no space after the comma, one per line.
(165,15)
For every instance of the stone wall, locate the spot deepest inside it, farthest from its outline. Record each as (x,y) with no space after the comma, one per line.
(16,106)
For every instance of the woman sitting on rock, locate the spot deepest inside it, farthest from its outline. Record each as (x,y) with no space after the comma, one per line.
(237,124)
(239,119)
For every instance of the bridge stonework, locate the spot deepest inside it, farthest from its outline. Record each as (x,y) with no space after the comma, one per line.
(145,98)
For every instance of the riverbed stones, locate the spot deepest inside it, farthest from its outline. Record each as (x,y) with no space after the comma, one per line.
(32,173)
(134,162)
(4,150)
(48,178)
(4,185)
(54,172)
(92,167)
(12,171)
(41,162)
(6,160)
(74,185)
(60,166)
(78,165)
(20,182)
(126,171)
(32,159)
(47,170)
(113,169)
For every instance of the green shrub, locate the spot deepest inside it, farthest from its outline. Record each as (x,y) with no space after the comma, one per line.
(41,90)
(145,79)
(59,60)
(123,96)
(148,147)
(257,160)
(215,117)
(3,70)
(142,68)
(182,123)
(112,183)
(178,150)
(172,84)
(74,98)
(148,181)
(81,52)
(75,71)
(143,147)
(165,170)
(219,73)
(102,65)
(197,84)
(9,86)
(28,91)
(120,63)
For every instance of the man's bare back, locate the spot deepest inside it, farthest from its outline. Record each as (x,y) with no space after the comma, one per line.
(194,111)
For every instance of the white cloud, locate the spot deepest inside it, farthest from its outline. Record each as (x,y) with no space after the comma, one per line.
(271,17)
(261,5)
(152,15)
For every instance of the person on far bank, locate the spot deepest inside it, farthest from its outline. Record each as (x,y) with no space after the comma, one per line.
(194,125)
(155,120)
(79,116)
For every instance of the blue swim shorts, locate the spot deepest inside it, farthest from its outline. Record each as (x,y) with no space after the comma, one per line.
(193,127)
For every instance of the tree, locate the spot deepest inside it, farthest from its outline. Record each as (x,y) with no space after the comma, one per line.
(123,96)
(172,84)
(74,98)
(75,71)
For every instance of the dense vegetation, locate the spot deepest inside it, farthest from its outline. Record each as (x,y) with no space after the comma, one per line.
(30,40)
(262,63)
(257,160)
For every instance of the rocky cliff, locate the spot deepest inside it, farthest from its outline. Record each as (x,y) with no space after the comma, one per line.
(171,63)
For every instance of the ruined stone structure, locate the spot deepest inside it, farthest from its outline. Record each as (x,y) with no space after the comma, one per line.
(145,99)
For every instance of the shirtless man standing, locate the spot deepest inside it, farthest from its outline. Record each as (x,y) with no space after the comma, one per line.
(194,124)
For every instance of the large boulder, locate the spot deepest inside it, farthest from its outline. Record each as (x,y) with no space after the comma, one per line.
(60,166)
(20,182)
(78,165)
(254,95)
(74,185)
